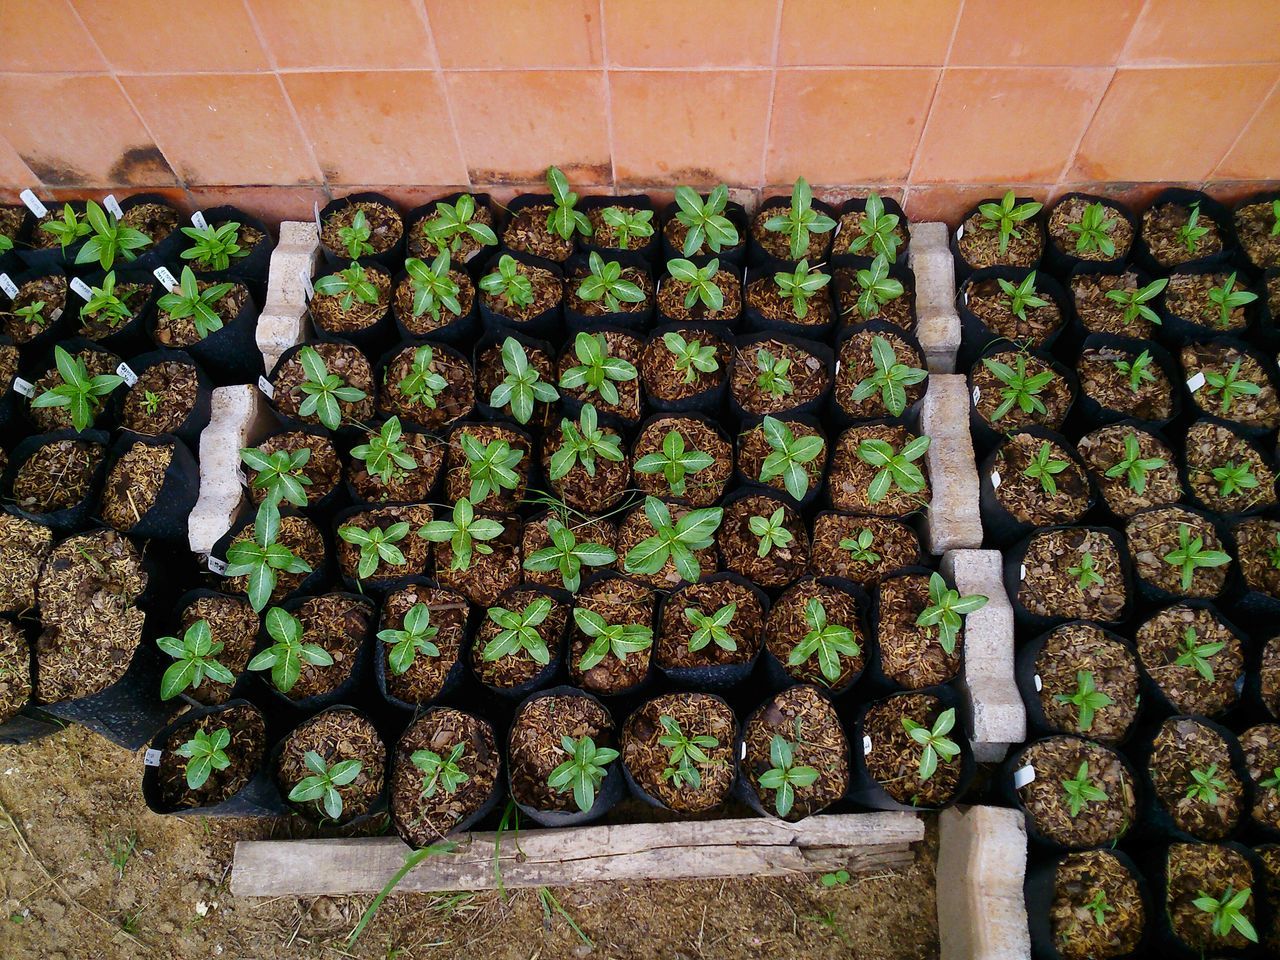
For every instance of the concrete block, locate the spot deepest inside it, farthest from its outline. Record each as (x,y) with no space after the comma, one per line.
(239,416)
(982,863)
(279,330)
(938,324)
(299,233)
(927,236)
(954,521)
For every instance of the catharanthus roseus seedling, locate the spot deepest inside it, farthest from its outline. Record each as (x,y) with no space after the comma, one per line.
(1227,299)
(1229,385)
(509,282)
(583,772)
(1273,554)
(1005,216)
(355,236)
(279,473)
(597,371)
(893,468)
(262,557)
(151,402)
(213,248)
(773,378)
(465,533)
(1133,466)
(68,229)
(376,545)
(800,286)
(33,314)
(386,455)
(935,745)
(523,384)
(104,303)
(1191,233)
(440,773)
(1045,467)
(1135,301)
(287,653)
(191,301)
(876,288)
(1206,784)
(859,547)
(1191,554)
(1195,655)
(684,753)
(80,393)
(324,391)
(628,224)
(1081,790)
(491,466)
(618,639)
(417,636)
(701,282)
(350,285)
(1021,389)
(109,239)
(785,776)
(1275,214)
(704,220)
(565,219)
(1233,478)
(1020,296)
(676,540)
(771,531)
(1093,232)
(1228,913)
(711,628)
(204,753)
(433,287)
(1085,572)
(674,462)
(890,379)
(877,231)
(945,609)
(1099,907)
(568,556)
(787,456)
(519,632)
(196,657)
(455,222)
(1272,782)
(582,442)
(828,641)
(691,356)
(801,220)
(325,783)
(1137,371)
(1088,700)
(604,281)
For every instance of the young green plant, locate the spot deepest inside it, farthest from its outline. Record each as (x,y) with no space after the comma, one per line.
(350,285)
(893,467)
(491,466)
(565,219)
(519,632)
(1135,301)
(945,610)
(433,287)
(262,557)
(1004,217)
(597,371)
(604,282)
(1191,554)
(109,239)
(771,531)
(676,541)
(785,776)
(464,532)
(711,628)
(704,220)
(386,455)
(617,639)
(324,391)
(190,301)
(280,473)
(325,783)
(1045,467)
(417,636)
(287,653)
(583,772)
(674,462)
(788,455)
(1133,466)
(80,393)
(800,286)
(582,442)
(213,248)
(196,659)
(801,220)
(205,752)
(691,356)
(1087,698)
(567,556)
(890,379)
(376,545)
(827,641)
(685,753)
(876,288)
(933,741)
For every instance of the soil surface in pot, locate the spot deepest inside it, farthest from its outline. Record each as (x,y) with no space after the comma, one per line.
(323,467)
(458,480)
(698,715)
(1056,760)
(676,630)
(488,573)
(341,360)
(980,246)
(97,363)
(1256,543)
(1112,388)
(1211,446)
(57,475)
(416,550)
(462,246)
(95,326)
(1077,882)
(15,670)
(618,601)
(1025,496)
(1261,745)
(848,229)
(176,385)
(585,530)
(857,364)
(337,735)
(805,719)
(425,677)
(1255,224)
(701,489)
(328,314)
(1270,676)
(1155,534)
(635,527)
(50,290)
(404,485)
(754,449)
(1187,296)
(893,760)
(548,292)
(424,323)
(385,226)
(598,307)
(849,479)
(339,623)
(233,624)
(787,626)
(767,299)
(421,819)
(155,220)
(248,733)
(1252,410)
(1182,746)
(1193,870)
(134,483)
(988,393)
(1098,313)
(302,537)
(1160,226)
(664,381)
(1082,648)
(517,668)
(171,331)
(456,400)
(1049,589)
(838,550)
(1104,449)
(990,304)
(740,546)
(620,346)
(899,311)
(673,300)
(1163,638)
(676,234)
(1070,212)
(807,375)
(24,545)
(912,656)
(527,232)
(580,489)
(534,749)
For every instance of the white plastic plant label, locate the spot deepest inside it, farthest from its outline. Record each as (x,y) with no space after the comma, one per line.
(198,221)
(1024,776)
(960,233)
(309,290)
(1039,683)
(80,288)
(167,279)
(742,752)
(995,479)
(218,567)
(964,298)
(152,757)
(265,386)
(24,387)
(866,745)
(112,205)
(1196,382)
(1022,572)
(125,373)
(977,395)
(32,203)
(319,225)
(242,477)
(8,286)
(56,315)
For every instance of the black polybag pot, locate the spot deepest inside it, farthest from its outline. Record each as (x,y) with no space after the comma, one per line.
(1000,527)
(735,255)
(1059,261)
(875,680)
(383,365)
(985,434)
(858,205)
(760,259)
(1210,209)
(557,648)
(754,320)
(374,338)
(311,583)
(819,350)
(167,518)
(640,793)
(131,336)
(377,808)
(1151,594)
(1214,409)
(518,203)
(345,429)
(190,429)
(634,321)
(68,518)
(977,336)
(230,355)
(1263,197)
(571,405)
(1243,440)
(381,651)
(544,324)
(257,798)
(645,247)
(844,284)
(55,331)
(816,487)
(1177,330)
(418,216)
(457,331)
(1157,704)
(714,676)
(709,401)
(162,250)
(252,266)
(1251,605)
(608,793)
(389,258)
(1035,226)
(1038,623)
(29,723)
(1039,893)
(725,325)
(776,673)
(842,418)
(1089,414)
(373,587)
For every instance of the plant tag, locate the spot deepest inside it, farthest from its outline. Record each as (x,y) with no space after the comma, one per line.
(964,298)
(33,203)
(241,476)
(81,288)
(1196,382)
(217,566)
(1022,572)
(265,386)
(56,315)
(198,221)
(742,752)
(1024,776)
(8,286)
(977,394)
(152,758)
(1039,683)
(960,233)
(125,373)
(866,745)
(112,205)
(308,287)
(24,387)
(167,279)
(995,480)
(319,225)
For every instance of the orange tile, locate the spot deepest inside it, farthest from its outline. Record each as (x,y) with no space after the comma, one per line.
(1017,33)
(237,130)
(739,33)
(1170,124)
(159,36)
(13,172)
(1015,125)
(813,137)
(696,128)
(513,125)
(271,204)
(1256,155)
(949,201)
(383,126)
(850,33)
(177,196)
(342,33)
(46,36)
(1193,31)
(516,33)
(75,130)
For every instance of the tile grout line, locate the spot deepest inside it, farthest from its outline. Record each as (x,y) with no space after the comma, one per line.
(608,101)
(1262,102)
(933,99)
(421,7)
(773,89)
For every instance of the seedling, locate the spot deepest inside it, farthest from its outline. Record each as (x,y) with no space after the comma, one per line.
(326,781)
(674,462)
(827,640)
(568,556)
(454,222)
(1021,295)
(205,753)
(67,230)
(893,468)
(1206,786)
(440,773)
(685,753)
(597,371)
(787,456)
(583,772)
(1229,386)
(1135,302)
(104,302)
(676,541)
(837,879)
(937,746)
(151,402)
(705,220)
(1228,298)
(279,473)
(785,776)
(1195,655)
(859,547)
(891,378)
(355,237)
(1190,555)
(324,390)
(1275,214)
(876,231)
(1005,217)
(773,377)
(1086,574)
(386,456)
(509,283)
(465,533)
(1020,388)
(351,284)
(1272,782)
(801,220)
(1228,913)
(701,281)
(213,248)
(771,531)
(607,638)
(799,286)
(196,659)
(6,243)
(1087,698)
(80,393)
(691,356)
(491,466)
(110,239)
(522,385)
(604,281)
(376,546)
(876,287)
(1044,467)
(1190,233)
(422,384)
(1273,555)
(1133,467)
(433,288)
(261,558)
(519,632)
(1093,232)
(565,220)
(945,609)
(582,442)
(1232,478)
(628,225)
(712,629)
(287,653)
(33,314)
(1099,907)
(191,301)
(417,637)
(1082,791)
(1138,371)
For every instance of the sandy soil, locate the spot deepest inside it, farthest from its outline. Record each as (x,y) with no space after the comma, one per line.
(67,802)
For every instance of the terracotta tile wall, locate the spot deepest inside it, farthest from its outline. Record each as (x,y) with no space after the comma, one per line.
(939,102)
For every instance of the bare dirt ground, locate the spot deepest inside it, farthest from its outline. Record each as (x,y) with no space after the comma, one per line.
(86,871)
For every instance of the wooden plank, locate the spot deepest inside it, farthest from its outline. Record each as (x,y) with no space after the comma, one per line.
(668,851)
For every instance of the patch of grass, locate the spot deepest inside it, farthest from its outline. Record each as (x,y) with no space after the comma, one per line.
(551,905)
(120,850)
